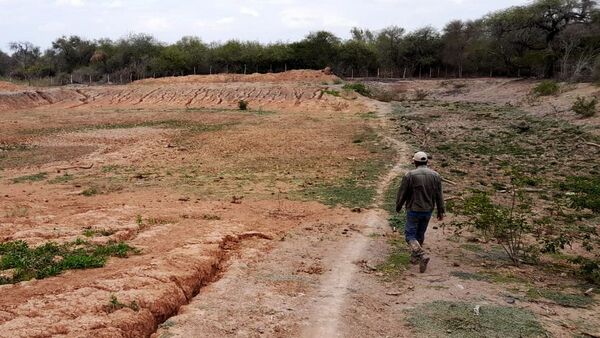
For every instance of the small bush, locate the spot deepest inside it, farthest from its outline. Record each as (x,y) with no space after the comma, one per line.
(31,178)
(589,269)
(331,92)
(243,105)
(421,95)
(357,87)
(546,88)
(585,108)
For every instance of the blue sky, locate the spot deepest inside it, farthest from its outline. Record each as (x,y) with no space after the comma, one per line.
(43,21)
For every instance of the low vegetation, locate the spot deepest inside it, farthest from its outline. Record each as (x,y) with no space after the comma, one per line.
(459,319)
(584,107)
(243,105)
(20,262)
(358,87)
(31,178)
(546,88)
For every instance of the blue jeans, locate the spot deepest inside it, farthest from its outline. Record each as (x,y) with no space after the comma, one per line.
(416,225)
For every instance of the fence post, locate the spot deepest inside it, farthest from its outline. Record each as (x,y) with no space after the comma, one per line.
(71,78)
(244,69)
(404,75)
(210,70)
(194,70)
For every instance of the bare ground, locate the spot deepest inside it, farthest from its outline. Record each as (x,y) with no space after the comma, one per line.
(169,158)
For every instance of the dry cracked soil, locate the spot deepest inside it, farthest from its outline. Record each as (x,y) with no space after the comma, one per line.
(265,222)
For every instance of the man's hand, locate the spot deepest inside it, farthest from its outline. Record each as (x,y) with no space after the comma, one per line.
(440,217)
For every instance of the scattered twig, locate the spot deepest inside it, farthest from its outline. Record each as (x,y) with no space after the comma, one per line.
(454,198)
(593,144)
(448,181)
(75,167)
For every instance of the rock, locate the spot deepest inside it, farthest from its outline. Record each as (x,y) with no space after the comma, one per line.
(393,293)
(510,300)
(184,199)
(455,264)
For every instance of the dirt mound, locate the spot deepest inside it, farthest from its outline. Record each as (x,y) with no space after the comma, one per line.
(10,87)
(260,96)
(316,76)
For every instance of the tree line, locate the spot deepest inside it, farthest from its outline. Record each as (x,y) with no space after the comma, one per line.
(546,38)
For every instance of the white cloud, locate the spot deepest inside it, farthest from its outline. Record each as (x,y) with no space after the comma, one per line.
(113,4)
(312,18)
(215,24)
(249,11)
(74,3)
(153,24)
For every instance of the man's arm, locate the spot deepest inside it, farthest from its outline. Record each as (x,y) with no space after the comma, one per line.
(403,193)
(439,199)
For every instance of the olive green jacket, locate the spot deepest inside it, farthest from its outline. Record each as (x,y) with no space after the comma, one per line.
(421,190)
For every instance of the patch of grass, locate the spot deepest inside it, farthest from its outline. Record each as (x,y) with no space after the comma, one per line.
(114,304)
(469,276)
(560,298)
(358,188)
(458,319)
(369,115)
(472,247)
(585,108)
(51,259)
(98,232)
(61,179)
(546,88)
(398,260)
(243,105)
(586,189)
(31,178)
(360,88)
(331,92)
(90,192)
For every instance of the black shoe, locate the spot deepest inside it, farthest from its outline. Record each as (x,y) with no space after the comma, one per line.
(415,260)
(423,264)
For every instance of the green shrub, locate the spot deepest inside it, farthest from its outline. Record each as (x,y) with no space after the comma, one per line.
(357,87)
(243,105)
(331,92)
(421,95)
(31,178)
(51,259)
(587,192)
(585,108)
(546,88)
(589,269)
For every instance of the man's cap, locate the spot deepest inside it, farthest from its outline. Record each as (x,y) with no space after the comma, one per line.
(421,157)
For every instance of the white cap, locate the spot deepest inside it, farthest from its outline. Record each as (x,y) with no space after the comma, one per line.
(421,157)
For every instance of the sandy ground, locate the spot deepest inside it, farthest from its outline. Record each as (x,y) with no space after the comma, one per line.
(176,153)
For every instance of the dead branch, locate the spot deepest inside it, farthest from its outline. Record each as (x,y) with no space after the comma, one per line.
(454,198)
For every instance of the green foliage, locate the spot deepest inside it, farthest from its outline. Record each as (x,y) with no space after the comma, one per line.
(589,269)
(114,304)
(507,224)
(331,92)
(586,192)
(61,179)
(585,108)
(398,259)
(51,259)
(546,88)
(457,319)
(421,94)
(31,178)
(90,192)
(243,105)
(560,298)
(357,87)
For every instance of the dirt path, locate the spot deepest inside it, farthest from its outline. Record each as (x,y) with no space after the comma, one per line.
(333,292)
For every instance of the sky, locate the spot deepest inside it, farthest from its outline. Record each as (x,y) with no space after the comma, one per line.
(42,21)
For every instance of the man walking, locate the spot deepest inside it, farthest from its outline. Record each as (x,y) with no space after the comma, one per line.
(421,191)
